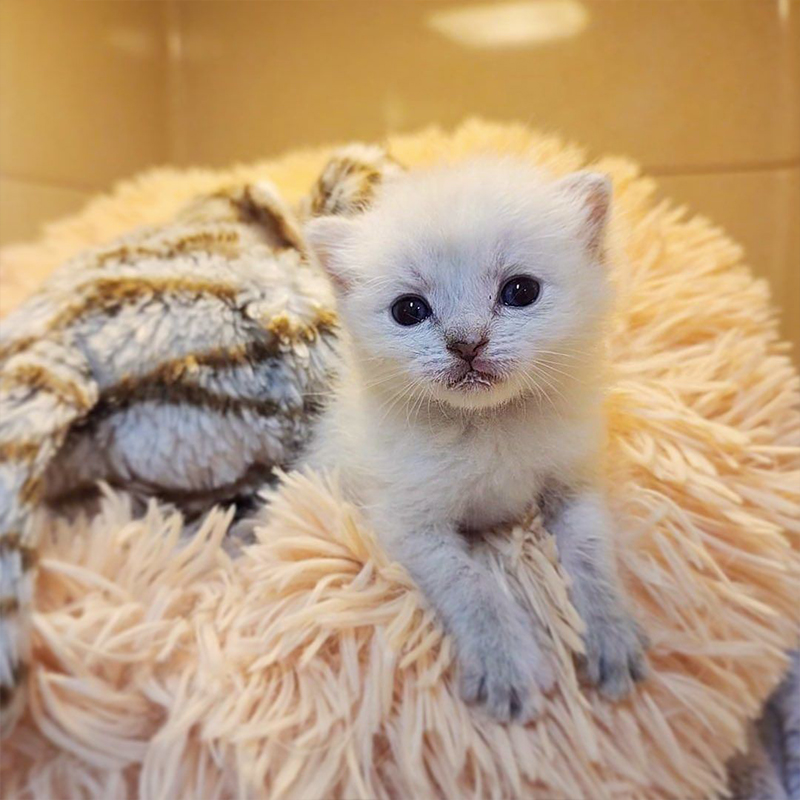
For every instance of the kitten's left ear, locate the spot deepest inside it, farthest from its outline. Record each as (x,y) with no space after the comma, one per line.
(591,194)
(330,238)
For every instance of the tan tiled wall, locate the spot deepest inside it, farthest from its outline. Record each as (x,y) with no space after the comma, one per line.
(705,93)
(82,103)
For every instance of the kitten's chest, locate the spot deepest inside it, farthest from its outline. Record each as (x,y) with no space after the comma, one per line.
(480,477)
(496,480)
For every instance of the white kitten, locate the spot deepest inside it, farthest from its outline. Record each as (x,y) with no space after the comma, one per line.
(472,300)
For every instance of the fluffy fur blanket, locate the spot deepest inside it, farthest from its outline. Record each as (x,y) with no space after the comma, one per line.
(307,666)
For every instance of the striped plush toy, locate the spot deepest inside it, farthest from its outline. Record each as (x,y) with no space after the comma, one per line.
(183,361)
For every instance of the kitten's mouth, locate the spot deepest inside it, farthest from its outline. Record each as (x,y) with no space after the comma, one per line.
(472,380)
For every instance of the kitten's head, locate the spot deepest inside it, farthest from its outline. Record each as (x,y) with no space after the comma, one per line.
(472,285)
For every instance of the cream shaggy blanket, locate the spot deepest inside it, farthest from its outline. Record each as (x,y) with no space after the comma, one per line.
(308,666)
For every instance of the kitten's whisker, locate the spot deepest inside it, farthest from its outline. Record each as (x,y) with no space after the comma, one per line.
(384,379)
(548,366)
(416,400)
(531,384)
(391,403)
(428,412)
(570,353)
(540,376)
(409,387)
(424,394)
(377,282)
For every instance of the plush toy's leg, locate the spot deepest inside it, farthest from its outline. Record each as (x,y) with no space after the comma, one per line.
(770,768)
(754,775)
(786,702)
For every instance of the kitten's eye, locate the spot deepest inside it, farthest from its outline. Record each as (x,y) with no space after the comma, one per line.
(410,310)
(519,291)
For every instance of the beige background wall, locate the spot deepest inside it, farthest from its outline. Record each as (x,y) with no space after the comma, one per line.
(705,93)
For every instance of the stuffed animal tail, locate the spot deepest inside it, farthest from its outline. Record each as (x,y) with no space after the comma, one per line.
(44,388)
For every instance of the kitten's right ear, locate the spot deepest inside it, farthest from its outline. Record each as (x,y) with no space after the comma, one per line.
(330,238)
(590,192)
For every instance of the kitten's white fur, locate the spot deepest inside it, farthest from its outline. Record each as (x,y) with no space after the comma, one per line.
(429,459)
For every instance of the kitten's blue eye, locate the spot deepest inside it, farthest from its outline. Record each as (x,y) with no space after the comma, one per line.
(519,291)
(410,309)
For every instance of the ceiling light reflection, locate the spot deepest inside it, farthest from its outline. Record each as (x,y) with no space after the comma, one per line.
(514,24)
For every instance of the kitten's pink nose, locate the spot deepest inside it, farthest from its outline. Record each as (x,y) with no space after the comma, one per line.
(467,349)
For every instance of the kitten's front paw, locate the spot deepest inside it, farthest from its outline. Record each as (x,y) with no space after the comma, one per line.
(506,676)
(615,654)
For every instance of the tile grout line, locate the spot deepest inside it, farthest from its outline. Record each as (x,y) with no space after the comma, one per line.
(656,172)
(174,103)
(50,183)
(742,168)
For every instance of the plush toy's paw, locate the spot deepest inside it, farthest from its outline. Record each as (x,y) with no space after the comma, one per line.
(615,654)
(506,675)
